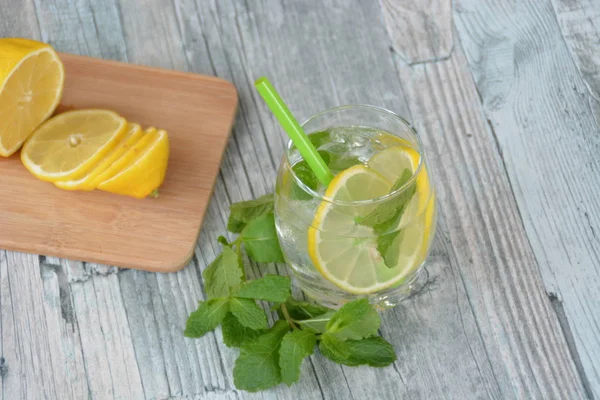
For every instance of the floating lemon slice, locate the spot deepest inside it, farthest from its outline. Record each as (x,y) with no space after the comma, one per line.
(346,253)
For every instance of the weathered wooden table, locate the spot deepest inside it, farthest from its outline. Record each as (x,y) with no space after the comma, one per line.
(506,96)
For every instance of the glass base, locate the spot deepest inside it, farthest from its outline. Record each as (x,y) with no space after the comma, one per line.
(328,295)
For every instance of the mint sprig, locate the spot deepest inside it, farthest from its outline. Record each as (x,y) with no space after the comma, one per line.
(270,356)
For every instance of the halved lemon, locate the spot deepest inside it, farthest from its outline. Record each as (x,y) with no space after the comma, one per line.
(143,174)
(31,83)
(346,253)
(70,143)
(85,180)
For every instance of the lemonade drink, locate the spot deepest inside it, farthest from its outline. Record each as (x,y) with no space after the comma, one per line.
(368,233)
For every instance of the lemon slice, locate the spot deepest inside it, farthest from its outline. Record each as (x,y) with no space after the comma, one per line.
(85,180)
(127,158)
(145,172)
(71,142)
(31,83)
(344,252)
(391,162)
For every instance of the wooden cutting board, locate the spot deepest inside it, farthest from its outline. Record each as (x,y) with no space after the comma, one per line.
(151,234)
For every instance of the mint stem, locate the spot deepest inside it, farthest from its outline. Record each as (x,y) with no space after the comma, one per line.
(289,319)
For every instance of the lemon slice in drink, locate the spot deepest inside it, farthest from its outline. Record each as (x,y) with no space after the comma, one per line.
(70,143)
(346,253)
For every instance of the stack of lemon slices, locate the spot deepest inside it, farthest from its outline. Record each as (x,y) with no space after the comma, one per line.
(76,150)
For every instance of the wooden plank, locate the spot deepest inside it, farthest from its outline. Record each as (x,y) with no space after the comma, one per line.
(421,31)
(538,103)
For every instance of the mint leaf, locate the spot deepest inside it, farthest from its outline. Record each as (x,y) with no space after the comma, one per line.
(334,349)
(257,367)
(374,351)
(306,175)
(300,310)
(244,212)
(295,346)
(236,334)
(206,318)
(275,288)
(317,324)
(388,246)
(260,240)
(223,274)
(338,162)
(223,240)
(318,139)
(387,214)
(355,320)
(248,313)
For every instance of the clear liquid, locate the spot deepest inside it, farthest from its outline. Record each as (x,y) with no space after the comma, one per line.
(296,206)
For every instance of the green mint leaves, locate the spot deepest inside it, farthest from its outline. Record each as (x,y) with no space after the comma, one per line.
(237,299)
(295,347)
(271,356)
(235,334)
(355,320)
(260,240)
(257,367)
(223,274)
(274,288)
(373,351)
(246,211)
(206,318)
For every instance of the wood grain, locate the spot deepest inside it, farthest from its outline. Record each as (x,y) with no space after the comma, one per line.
(152,234)
(421,31)
(482,328)
(537,94)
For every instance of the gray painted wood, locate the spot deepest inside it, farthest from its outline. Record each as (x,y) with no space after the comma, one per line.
(483,327)
(421,31)
(537,87)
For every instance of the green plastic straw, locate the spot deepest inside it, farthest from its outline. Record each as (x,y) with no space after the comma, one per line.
(294,130)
